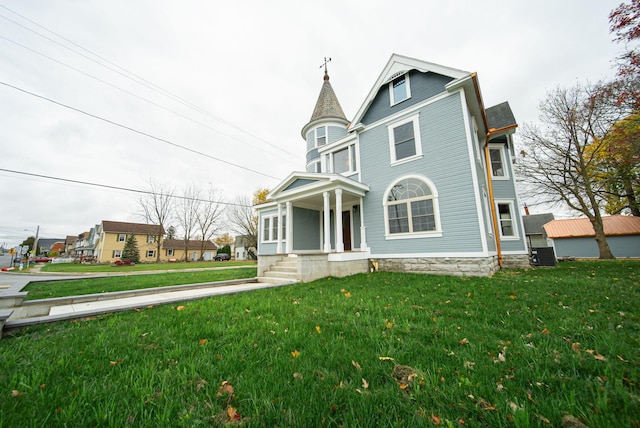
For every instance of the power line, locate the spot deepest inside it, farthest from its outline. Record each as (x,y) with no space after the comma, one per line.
(137,131)
(107,186)
(138,79)
(124,90)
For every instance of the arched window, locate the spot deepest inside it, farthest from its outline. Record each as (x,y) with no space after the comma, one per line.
(411,208)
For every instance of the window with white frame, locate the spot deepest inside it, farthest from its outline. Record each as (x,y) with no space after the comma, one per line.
(314,167)
(270,228)
(151,239)
(498,167)
(170,252)
(321,136)
(399,89)
(117,254)
(404,140)
(506,218)
(344,160)
(151,253)
(122,237)
(411,208)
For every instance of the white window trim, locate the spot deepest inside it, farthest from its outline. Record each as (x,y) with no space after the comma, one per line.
(170,252)
(326,136)
(123,235)
(151,239)
(392,100)
(117,254)
(416,136)
(151,253)
(500,148)
(413,235)
(514,223)
(351,155)
(272,239)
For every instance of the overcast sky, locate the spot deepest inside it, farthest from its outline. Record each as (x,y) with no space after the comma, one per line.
(236,82)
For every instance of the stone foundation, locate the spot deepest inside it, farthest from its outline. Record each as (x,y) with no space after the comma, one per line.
(519,261)
(479,266)
(315,266)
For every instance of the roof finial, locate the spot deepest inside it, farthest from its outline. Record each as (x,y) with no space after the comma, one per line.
(324,64)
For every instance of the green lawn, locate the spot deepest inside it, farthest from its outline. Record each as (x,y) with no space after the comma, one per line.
(524,348)
(76,287)
(78,267)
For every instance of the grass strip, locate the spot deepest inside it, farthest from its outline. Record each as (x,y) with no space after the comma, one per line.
(77,287)
(524,348)
(88,268)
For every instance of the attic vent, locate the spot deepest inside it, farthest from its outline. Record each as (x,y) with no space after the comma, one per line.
(398,74)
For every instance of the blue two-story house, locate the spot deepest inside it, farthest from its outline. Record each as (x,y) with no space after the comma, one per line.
(420,180)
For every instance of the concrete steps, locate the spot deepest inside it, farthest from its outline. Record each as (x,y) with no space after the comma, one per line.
(283,271)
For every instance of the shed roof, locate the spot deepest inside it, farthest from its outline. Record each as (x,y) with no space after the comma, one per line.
(614,225)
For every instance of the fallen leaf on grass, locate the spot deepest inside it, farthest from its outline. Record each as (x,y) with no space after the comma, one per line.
(203,341)
(356,365)
(464,341)
(365,384)
(546,331)
(435,419)
(225,388)
(386,358)
(576,346)
(298,376)
(485,405)
(571,421)
(318,329)
(179,308)
(233,414)
(113,363)
(543,419)
(622,359)
(15,393)
(600,357)
(295,354)
(469,365)
(200,384)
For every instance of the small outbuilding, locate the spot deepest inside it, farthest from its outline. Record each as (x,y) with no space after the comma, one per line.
(575,237)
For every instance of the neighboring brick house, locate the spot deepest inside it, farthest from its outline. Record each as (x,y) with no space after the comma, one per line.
(196,250)
(113,235)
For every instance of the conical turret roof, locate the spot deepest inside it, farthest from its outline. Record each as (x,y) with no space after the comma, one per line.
(327,106)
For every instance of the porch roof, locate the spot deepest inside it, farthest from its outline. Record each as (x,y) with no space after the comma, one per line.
(309,187)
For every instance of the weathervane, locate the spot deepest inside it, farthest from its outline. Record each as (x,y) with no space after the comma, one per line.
(324,64)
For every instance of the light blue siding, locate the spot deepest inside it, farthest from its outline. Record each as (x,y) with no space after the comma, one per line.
(423,86)
(312,155)
(306,229)
(621,246)
(299,183)
(445,162)
(336,133)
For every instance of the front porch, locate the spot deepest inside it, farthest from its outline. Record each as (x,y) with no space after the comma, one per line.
(307,267)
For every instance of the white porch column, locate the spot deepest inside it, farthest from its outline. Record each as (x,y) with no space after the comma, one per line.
(289,237)
(363,229)
(327,223)
(338,222)
(279,237)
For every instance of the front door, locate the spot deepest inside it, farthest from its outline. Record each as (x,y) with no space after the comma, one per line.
(346,230)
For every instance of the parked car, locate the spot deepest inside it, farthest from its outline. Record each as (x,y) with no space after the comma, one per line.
(42,259)
(222,257)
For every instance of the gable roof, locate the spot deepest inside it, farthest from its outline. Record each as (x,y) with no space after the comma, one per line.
(614,225)
(135,228)
(314,183)
(533,223)
(398,64)
(178,244)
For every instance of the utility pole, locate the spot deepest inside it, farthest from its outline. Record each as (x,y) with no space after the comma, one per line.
(35,242)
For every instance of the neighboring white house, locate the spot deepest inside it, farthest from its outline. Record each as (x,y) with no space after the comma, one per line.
(242,249)
(419,180)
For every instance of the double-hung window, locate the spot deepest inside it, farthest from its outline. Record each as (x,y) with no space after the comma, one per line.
(404,140)
(151,254)
(321,136)
(122,237)
(506,219)
(411,209)
(399,89)
(151,239)
(497,161)
(117,254)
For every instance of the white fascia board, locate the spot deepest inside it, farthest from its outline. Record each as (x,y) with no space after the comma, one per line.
(343,141)
(264,206)
(398,63)
(324,181)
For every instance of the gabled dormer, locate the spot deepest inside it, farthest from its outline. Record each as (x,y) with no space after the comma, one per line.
(327,124)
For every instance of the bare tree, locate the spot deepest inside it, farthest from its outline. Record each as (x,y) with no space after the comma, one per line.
(187,209)
(156,207)
(208,217)
(558,160)
(244,221)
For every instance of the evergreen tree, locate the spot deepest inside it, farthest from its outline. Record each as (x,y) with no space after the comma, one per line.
(225,249)
(130,251)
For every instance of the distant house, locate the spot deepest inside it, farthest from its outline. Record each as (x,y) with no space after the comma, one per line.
(175,249)
(243,250)
(69,245)
(575,237)
(46,244)
(113,235)
(85,245)
(533,229)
